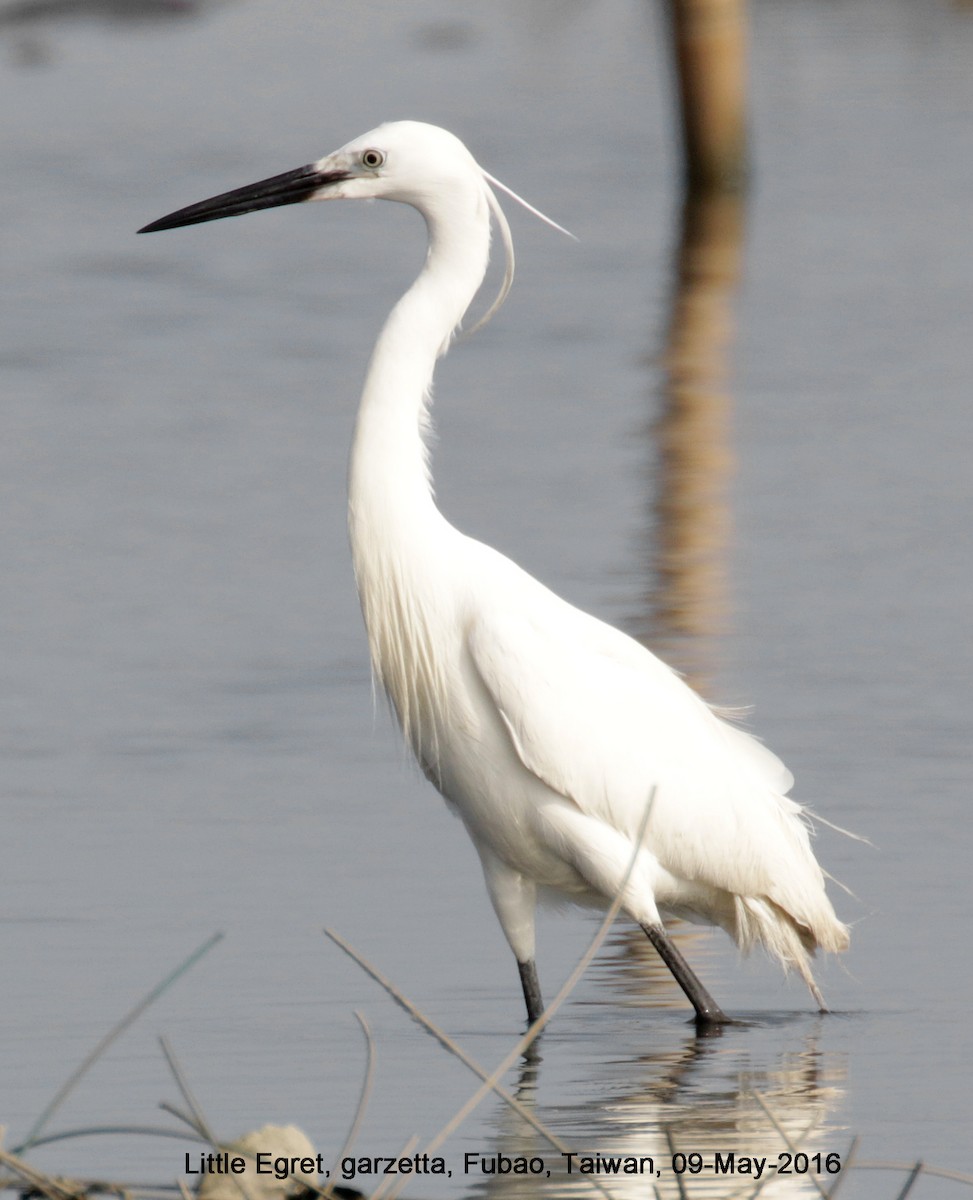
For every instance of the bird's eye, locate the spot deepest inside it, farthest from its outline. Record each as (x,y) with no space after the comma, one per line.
(372,158)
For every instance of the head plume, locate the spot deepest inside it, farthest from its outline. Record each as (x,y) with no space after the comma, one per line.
(499,216)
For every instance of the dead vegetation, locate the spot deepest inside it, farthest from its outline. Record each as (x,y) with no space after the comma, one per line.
(23,1179)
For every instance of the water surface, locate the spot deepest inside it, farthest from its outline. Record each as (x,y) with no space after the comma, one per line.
(189,741)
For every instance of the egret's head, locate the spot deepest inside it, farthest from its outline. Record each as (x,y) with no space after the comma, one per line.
(409,161)
(404,160)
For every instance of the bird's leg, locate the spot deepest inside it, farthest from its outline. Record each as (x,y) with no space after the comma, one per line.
(708,1012)
(532,990)
(514,899)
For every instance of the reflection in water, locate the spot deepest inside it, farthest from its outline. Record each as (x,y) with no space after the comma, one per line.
(687,603)
(633,974)
(695,1098)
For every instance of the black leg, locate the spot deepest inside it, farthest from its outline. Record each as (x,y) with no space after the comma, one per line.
(708,1012)
(532,990)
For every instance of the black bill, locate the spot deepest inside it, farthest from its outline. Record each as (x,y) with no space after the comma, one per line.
(290,188)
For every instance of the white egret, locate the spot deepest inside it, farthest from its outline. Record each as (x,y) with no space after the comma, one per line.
(545,730)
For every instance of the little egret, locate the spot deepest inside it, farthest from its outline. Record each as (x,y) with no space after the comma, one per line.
(546,730)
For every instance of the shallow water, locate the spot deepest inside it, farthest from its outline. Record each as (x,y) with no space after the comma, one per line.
(189,742)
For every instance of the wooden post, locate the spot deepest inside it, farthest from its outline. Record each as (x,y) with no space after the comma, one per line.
(710,55)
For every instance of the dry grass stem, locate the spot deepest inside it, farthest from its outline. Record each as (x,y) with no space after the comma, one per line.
(38,1181)
(130,1017)
(199,1121)
(363,1096)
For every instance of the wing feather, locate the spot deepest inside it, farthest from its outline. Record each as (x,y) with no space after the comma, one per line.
(603,722)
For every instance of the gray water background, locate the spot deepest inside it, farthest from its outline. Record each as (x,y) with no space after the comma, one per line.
(189,741)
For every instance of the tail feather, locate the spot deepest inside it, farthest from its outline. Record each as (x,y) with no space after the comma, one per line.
(759,921)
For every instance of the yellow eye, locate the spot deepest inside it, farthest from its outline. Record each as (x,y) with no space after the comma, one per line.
(372,159)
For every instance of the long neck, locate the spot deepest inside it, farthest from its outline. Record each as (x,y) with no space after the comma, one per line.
(399,540)
(389,479)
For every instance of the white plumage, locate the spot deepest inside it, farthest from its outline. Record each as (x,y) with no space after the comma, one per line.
(545,729)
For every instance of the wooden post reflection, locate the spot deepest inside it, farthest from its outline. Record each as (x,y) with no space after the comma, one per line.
(688,603)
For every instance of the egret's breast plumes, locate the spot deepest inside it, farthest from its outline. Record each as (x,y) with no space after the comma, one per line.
(407,662)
